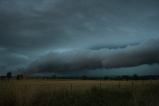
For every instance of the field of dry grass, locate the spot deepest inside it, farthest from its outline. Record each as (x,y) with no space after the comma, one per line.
(78,93)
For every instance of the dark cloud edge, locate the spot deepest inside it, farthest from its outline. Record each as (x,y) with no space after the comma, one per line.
(87,59)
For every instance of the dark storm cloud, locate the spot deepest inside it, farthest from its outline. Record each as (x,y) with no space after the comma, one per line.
(40,24)
(76,60)
(29,28)
(98,47)
(11,61)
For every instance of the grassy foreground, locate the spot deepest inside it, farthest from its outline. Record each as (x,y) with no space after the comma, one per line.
(79,93)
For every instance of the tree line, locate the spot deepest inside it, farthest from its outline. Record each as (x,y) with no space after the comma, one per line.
(9,76)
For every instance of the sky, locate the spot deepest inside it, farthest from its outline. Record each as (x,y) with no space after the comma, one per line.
(79,37)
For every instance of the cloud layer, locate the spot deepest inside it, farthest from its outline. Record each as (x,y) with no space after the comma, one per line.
(82,34)
(87,59)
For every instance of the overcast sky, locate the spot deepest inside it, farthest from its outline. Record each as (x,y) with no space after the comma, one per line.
(93,37)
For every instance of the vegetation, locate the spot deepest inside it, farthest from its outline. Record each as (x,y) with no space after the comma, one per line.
(19,77)
(79,93)
(9,75)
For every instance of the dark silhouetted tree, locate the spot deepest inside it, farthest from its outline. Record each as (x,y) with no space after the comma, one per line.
(84,77)
(106,77)
(9,75)
(135,77)
(19,77)
(53,76)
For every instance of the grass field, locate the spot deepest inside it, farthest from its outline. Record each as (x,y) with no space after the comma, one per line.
(79,93)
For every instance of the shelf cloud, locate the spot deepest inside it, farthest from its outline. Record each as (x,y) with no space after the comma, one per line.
(84,59)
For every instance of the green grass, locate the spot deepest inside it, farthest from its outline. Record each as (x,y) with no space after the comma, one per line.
(78,93)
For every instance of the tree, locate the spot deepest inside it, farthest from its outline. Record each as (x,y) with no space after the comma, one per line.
(135,77)
(53,76)
(9,75)
(84,77)
(19,77)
